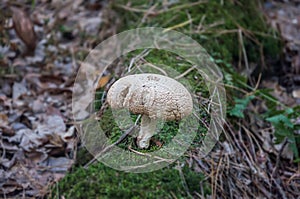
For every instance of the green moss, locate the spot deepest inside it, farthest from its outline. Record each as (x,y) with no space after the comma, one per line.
(103,182)
(82,157)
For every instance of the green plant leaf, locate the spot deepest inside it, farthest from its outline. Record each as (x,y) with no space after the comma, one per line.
(276,119)
(240,106)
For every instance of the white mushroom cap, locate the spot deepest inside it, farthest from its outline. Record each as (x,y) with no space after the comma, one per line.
(152,95)
(155,95)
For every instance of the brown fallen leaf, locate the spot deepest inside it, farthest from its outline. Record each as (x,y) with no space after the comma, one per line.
(24,28)
(103,81)
(3,119)
(6,130)
(279,92)
(157,142)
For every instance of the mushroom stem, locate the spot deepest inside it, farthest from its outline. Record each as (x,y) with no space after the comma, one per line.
(147,130)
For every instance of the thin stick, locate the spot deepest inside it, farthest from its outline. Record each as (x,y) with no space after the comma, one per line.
(129,131)
(185,72)
(178,25)
(155,67)
(285,142)
(185,185)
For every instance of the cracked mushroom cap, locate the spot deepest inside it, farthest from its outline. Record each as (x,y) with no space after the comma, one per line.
(157,96)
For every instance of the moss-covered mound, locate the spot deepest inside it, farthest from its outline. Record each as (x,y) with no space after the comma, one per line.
(232,32)
(99,181)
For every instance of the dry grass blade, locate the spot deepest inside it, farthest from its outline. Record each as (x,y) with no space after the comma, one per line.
(156,12)
(178,167)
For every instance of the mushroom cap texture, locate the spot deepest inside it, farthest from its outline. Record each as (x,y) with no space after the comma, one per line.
(155,95)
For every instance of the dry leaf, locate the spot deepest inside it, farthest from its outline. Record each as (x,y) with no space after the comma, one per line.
(24,28)
(286,152)
(60,164)
(279,92)
(18,90)
(103,81)
(3,119)
(296,93)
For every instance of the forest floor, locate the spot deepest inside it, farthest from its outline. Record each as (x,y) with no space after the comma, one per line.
(42,44)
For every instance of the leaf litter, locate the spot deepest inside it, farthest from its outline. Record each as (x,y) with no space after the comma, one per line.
(40,44)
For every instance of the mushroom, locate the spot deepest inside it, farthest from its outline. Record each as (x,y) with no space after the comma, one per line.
(154,97)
